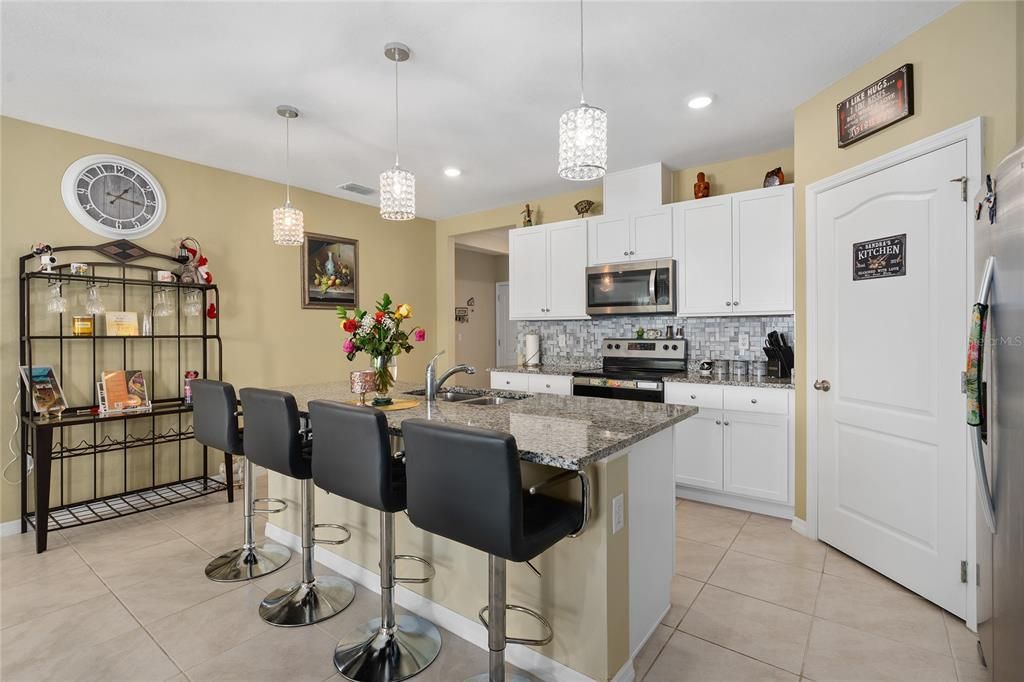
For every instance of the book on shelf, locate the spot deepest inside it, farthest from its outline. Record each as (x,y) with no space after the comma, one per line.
(123,390)
(44,390)
(122,323)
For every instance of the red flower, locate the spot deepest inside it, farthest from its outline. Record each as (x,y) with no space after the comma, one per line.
(379,316)
(420,335)
(350,325)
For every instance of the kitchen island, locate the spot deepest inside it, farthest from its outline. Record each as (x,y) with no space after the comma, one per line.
(604,592)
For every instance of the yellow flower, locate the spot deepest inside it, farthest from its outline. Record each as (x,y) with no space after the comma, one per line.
(404,311)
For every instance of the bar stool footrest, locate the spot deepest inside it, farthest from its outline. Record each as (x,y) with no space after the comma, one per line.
(269,510)
(416,581)
(523,640)
(333,526)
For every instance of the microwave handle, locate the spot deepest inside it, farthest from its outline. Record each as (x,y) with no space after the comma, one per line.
(650,287)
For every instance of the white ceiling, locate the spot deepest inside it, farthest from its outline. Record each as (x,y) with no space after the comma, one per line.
(483,91)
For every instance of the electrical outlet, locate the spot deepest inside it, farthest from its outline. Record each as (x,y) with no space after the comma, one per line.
(618,513)
(744,341)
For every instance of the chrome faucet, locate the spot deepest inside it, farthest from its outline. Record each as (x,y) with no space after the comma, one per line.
(433,383)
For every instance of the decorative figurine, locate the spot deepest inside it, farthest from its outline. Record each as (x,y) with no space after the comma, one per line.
(527,216)
(46,258)
(774,177)
(701,188)
(583,207)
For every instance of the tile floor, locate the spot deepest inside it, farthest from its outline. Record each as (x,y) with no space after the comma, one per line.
(127,600)
(753,600)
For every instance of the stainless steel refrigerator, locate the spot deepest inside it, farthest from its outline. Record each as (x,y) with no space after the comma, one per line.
(997,418)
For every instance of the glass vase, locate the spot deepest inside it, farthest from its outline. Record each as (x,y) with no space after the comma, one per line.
(385,367)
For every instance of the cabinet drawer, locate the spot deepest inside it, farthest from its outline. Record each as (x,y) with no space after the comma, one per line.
(550,383)
(699,395)
(510,381)
(763,400)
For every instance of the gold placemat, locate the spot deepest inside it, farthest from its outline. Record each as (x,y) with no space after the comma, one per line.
(396,404)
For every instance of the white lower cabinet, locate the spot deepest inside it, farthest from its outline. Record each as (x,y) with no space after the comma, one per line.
(699,461)
(510,381)
(740,443)
(559,384)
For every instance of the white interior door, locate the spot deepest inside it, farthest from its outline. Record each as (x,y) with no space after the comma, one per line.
(891,431)
(504,328)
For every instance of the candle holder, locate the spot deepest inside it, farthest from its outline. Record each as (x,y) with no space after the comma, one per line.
(363,382)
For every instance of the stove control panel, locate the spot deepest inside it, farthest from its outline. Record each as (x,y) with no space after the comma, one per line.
(655,349)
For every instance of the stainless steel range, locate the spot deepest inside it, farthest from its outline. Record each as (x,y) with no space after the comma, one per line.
(632,369)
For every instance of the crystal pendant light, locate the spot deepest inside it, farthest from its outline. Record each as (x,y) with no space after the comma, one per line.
(397,185)
(287,219)
(582,135)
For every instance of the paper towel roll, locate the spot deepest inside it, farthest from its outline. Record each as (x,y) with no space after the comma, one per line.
(532,350)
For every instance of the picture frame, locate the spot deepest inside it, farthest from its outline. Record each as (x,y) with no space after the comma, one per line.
(324,256)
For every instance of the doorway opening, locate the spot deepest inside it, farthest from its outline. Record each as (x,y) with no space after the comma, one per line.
(482,331)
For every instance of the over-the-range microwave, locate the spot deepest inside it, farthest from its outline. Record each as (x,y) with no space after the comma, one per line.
(640,287)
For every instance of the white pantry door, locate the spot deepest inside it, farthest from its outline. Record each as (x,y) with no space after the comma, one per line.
(891,431)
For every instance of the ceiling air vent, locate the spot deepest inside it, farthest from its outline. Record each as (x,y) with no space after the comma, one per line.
(356,188)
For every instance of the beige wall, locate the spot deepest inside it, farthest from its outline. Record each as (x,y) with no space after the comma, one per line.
(965,65)
(268,338)
(476,274)
(736,175)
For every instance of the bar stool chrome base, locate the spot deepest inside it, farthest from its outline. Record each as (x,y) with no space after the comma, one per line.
(305,603)
(371,653)
(245,563)
(508,677)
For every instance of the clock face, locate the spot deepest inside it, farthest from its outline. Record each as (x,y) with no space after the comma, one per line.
(113,196)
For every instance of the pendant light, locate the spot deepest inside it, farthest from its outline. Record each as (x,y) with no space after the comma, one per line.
(287,219)
(582,135)
(397,185)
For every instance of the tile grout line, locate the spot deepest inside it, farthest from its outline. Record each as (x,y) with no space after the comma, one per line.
(814,610)
(740,653)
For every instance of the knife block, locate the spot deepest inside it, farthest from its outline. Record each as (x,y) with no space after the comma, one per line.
(780,362)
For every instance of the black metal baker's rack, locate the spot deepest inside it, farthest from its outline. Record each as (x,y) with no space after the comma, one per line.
(49,440)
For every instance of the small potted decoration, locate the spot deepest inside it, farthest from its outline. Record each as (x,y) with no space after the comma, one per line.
(379,334)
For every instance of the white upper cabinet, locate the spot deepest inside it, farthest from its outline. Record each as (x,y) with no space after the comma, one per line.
(642,235)
(703,253)
(608,240)
(763,251)
(735,253)
(547,271)
(567,269)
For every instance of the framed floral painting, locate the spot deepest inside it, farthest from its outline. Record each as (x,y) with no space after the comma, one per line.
(330,271)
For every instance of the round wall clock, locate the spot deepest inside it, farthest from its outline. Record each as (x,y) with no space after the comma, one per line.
(113,196)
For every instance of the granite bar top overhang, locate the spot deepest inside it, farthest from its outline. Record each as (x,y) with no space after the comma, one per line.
(567,432)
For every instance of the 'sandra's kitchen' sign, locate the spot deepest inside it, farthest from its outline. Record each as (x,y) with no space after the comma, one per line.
(888,100)
(886,257)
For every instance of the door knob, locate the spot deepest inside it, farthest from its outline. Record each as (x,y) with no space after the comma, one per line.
(822,385)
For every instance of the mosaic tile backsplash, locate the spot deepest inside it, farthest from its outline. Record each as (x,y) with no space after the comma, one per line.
(709,338)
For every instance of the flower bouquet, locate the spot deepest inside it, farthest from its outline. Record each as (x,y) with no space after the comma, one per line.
(379,334)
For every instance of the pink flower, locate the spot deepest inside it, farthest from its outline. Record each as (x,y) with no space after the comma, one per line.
(420,335)
(348,346)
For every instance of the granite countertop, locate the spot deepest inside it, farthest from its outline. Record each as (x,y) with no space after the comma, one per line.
(563,369)
(568,432)
(690,378)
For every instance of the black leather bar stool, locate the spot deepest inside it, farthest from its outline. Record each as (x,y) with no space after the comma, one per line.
(352,458)
(465,484)
(274,439)
(215,422)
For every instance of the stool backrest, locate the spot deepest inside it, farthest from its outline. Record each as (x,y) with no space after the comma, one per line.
(465,484)
(352,455)
(272,435)
(214,417)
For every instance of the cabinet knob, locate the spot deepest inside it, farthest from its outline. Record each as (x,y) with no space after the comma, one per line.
(728,303)
(726,423)
(625,253)
(754,400)
(547,385)
(735,302)
(718,421)
(507,382)
(632,253)
(693,396)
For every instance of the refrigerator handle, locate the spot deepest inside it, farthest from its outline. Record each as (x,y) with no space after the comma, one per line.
(976,394)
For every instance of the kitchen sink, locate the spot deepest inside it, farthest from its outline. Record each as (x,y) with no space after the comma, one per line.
(490,400)
(447,396)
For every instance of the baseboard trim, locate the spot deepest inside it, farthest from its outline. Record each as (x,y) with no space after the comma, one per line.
(626,673)
(800,526)
(470,630)
(10,528)
(778,509)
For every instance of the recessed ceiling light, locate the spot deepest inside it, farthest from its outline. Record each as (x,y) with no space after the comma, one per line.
(452,172)
(699,101)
